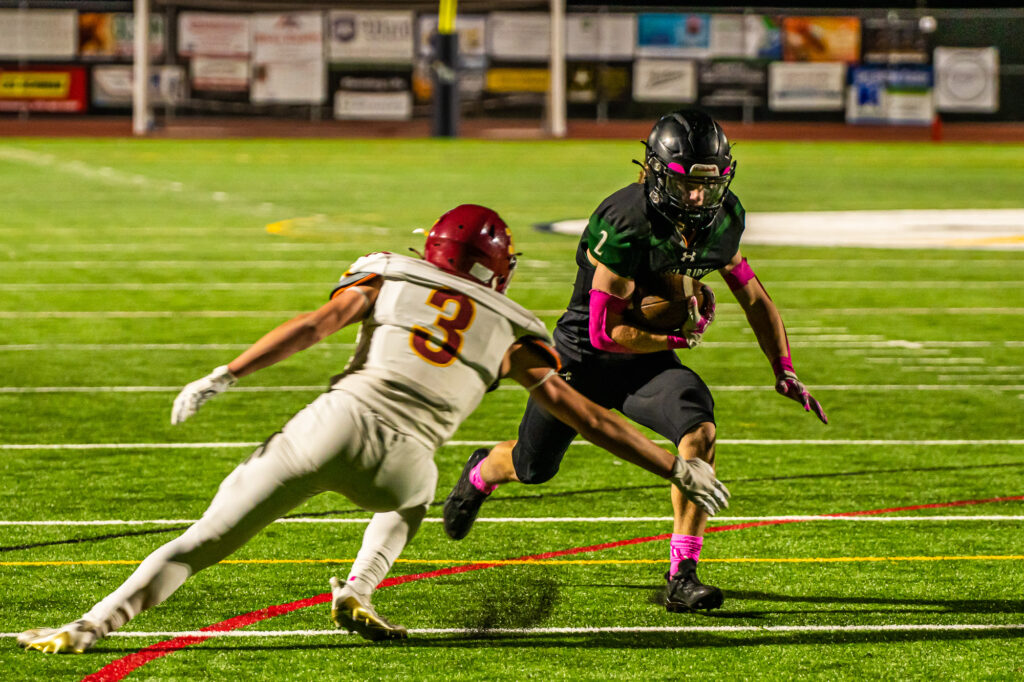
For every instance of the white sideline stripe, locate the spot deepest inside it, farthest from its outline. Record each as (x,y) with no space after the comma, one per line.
(478,443)
(909,627)
(320,387)
(552,519)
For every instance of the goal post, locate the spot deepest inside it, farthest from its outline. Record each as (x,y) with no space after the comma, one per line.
(142,113)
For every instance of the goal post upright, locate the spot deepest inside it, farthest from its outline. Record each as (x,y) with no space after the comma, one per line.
(556,118)
(446,72)
(142,114)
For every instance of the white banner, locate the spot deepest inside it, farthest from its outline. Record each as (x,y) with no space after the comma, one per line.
(213,35)
(291,37)
(728,35)
(806,86)
(665,80)
(519,36)
(112,85)
(600,36)
(967,79)
(370,37)
(220,74)
(288,82)
(38,34)
(392,106)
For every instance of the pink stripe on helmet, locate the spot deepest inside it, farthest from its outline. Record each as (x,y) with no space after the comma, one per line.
(677,168)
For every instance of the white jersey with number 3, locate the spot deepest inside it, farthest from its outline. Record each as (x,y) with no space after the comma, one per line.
(431,346)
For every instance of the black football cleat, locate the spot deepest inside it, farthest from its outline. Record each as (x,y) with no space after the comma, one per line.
(463,502)
(687,593)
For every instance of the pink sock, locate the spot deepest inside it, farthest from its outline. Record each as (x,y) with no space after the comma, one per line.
(478,481)
(682,547)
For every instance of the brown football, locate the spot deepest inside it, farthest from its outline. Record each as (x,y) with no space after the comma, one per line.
(661,304)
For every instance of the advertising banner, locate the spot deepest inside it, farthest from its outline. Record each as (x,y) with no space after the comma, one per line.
(386,106)
(821,39)
(600,36)
(213,35)
(471,82)
(890,95)
(472,32)
(732,82)
(728,35)
(967,79)
(763,37)
(370,36)
(806,87)
(38,34)
(673,35)
(110,35)
(593,82)
(665,80)
(112,85)
(517,80)
(220,74)
(287,58)
(894,41)
(57,90)
(519,36)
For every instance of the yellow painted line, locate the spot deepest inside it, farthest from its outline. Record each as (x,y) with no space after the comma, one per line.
(557,562)
(983,241)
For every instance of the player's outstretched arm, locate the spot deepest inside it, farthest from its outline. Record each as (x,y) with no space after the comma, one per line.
(766,323)
(695,478)
(347,307)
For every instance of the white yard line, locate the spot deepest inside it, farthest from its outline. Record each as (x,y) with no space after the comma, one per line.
(667,629)
(718,520)
(758,388)
(479,443)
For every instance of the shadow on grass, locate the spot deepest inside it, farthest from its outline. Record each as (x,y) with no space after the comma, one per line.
(894,604)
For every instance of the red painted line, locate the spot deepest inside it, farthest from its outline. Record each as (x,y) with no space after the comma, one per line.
(122,667)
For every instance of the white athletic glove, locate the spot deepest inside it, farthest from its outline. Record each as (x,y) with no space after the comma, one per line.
(699,318)
(696,479)
(199,391)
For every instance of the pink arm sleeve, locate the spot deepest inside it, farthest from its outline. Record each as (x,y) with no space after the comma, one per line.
(600,303)
(739,275)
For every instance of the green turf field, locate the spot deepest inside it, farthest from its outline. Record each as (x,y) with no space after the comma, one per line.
(128,269)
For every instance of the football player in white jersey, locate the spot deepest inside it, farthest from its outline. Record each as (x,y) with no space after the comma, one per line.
(436,334)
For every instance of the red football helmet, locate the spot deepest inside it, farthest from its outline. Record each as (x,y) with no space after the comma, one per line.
(473,242)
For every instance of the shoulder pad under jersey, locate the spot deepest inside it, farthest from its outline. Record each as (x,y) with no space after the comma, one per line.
(351,279)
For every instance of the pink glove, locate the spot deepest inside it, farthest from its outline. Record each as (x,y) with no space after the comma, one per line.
(787,384)
(696,323)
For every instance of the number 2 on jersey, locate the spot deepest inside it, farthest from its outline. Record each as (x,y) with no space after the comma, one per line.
(457,313)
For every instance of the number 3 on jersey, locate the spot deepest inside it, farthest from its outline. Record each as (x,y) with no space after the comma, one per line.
(457,313)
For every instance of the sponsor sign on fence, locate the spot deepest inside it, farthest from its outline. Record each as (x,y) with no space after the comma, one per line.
(57,89)
(112,85)
(38,34)
(673,35)
(287,58)
(821,39)
(106,35)
(601,36)
(665,80)
(519,36)
(213,34)
(370,36)
(806,87)
(967,79)
(890,95)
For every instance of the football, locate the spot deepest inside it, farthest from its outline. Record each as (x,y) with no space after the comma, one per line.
(661,304)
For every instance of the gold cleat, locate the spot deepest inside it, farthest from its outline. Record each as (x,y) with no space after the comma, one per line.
(73,638)
(355,613)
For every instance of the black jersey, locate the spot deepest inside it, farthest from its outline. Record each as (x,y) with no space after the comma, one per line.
(635,242)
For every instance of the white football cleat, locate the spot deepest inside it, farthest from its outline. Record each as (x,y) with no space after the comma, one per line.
(354,612)
(73,638)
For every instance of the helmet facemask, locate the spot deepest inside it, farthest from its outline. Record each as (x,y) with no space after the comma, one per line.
(689,199)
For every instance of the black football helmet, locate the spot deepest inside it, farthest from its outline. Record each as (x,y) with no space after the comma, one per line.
(687,170)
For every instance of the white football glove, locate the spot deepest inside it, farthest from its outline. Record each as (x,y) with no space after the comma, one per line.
(696,479)
(199,391)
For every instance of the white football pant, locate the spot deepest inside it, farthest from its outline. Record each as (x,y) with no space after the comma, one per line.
(335,444)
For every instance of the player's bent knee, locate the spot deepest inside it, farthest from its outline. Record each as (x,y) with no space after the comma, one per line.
(532,467)
(700,440)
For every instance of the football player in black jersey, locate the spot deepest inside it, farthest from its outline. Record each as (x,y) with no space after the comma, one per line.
(680,217)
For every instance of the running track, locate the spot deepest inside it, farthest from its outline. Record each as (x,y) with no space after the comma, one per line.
(122,667)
